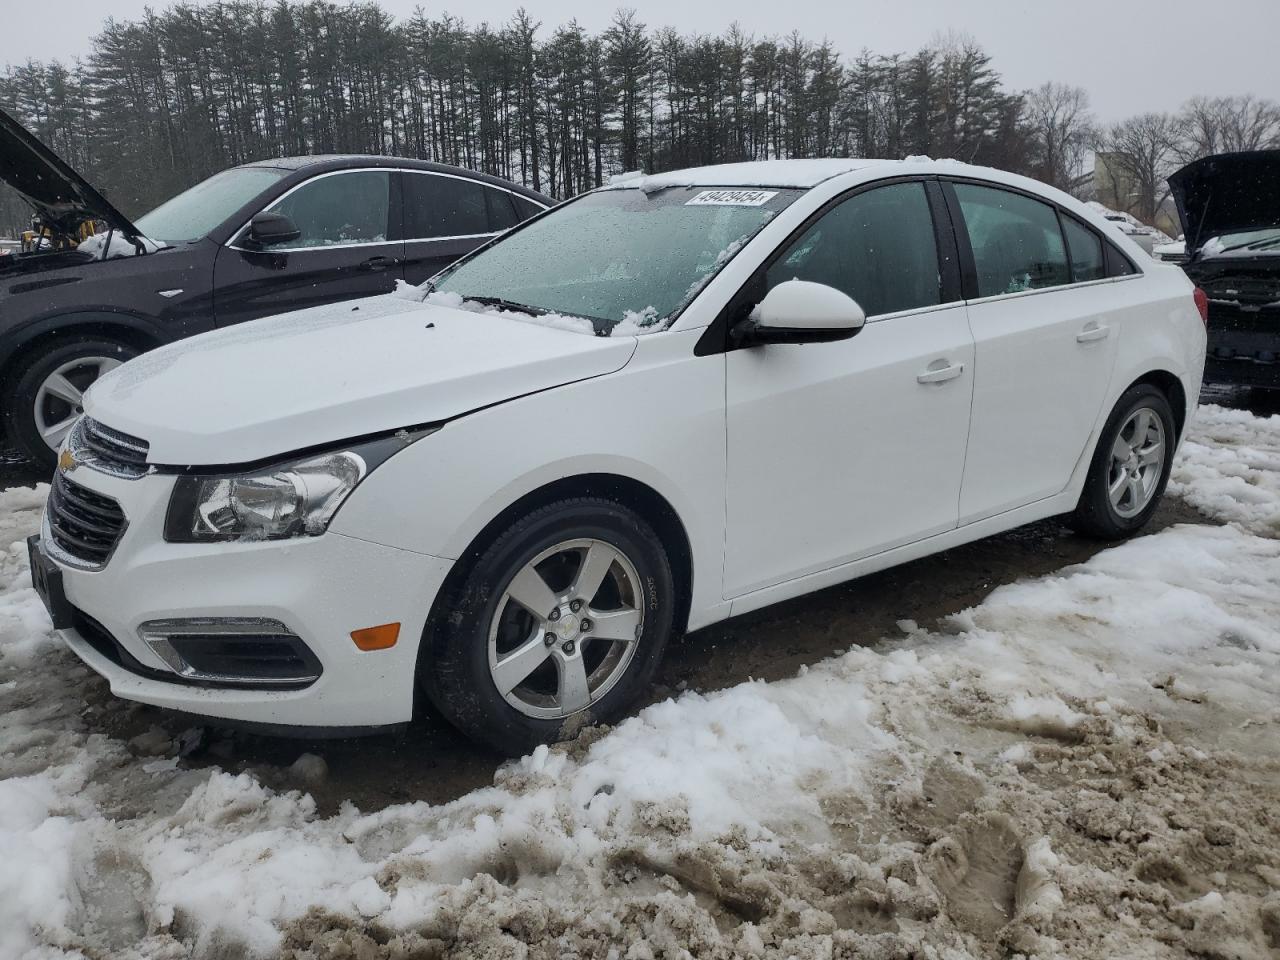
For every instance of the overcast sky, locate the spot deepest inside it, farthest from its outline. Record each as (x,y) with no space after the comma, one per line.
(1131,56)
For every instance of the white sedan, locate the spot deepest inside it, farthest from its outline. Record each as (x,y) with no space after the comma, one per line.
(663,403)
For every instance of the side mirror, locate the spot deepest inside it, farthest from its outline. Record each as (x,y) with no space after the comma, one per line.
(798,311)
(266,229)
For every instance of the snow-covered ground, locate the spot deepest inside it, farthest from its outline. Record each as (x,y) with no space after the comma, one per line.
(1086,764)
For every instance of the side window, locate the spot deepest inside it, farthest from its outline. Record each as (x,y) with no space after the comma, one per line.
(502,212)
(440,206)
(525,208)
(1016,242)
(1118,265)
(877,246)
(340,208)
(1085,247)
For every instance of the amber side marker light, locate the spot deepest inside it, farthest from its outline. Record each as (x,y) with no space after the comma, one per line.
(377,638)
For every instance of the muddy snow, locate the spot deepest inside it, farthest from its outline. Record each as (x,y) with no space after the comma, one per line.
(1086,764)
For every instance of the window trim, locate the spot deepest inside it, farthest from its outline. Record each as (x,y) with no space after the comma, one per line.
(481,184)
(1065,216)
(969,266)
(394,190)
(715,338)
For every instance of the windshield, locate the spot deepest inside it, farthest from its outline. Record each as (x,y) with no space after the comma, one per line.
(193,213)
(1249,240)
(619,255)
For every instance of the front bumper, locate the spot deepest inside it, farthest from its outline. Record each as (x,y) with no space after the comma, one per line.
(321,588)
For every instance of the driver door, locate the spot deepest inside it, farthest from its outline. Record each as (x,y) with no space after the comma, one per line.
(838,451)
(347,221)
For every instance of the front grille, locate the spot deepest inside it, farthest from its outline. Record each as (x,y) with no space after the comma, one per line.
(108,450)
(1244,289)
(84,526)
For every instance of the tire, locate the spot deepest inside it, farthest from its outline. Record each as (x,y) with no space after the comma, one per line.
(1100,513)
(480,624)
(81,359)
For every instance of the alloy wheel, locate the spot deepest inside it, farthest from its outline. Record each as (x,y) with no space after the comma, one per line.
(566,628)
(59,399)
(1137,462)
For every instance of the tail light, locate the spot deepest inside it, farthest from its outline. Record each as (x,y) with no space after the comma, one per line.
(1202,304)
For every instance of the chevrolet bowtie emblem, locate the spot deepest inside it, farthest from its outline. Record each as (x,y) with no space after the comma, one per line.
(66,461)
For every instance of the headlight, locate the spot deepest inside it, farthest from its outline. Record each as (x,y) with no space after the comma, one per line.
(293,499)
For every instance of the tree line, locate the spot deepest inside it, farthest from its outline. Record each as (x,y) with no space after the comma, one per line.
(164,101)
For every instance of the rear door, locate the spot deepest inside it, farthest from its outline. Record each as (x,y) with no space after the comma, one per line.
(349,247)
(1045,329)
(447,216)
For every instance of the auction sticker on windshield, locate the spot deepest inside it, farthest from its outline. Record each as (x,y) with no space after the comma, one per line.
(731,198)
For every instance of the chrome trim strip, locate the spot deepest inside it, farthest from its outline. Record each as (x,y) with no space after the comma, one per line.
(230,244)
(156,633)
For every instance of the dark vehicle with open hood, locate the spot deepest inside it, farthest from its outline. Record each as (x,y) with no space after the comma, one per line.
(1230,210)
(255,240)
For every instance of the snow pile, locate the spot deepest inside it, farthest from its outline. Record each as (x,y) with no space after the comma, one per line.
(1229,468)
(634,323)
(1084,764)
(116,245)
(1129,224)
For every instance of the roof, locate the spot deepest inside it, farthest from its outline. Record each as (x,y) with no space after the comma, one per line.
(769,173)
(340,161)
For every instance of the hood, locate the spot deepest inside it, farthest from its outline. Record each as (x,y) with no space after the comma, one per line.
(327,374)
(62,197)
(1227,193)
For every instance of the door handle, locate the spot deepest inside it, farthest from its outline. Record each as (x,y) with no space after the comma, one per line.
(937,374)
(377,264)
(1092,332)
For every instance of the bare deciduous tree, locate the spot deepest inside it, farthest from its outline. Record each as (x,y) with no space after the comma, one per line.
(1138,152)
(1062,131)
(1209,125)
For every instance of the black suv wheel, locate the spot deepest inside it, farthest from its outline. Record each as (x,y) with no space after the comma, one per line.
(43,399)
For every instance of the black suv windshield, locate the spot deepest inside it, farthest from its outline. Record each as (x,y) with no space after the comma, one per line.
(194,212)
(618,255)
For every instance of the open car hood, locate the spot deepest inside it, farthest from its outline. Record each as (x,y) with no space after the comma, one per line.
(62,197)
(1227,193)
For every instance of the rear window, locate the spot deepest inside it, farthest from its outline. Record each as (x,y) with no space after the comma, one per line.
(1087,257)
(1017,244)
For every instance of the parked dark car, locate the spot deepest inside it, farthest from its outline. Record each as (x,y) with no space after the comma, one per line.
(258,239)
(1230,210)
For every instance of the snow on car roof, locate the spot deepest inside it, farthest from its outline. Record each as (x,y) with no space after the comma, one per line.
(758,173)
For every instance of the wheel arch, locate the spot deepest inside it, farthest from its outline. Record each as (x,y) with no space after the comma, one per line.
(1171,386)
(128,329)
(626,491)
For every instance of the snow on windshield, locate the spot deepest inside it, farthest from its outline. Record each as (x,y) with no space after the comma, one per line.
(618,257)
(634,323)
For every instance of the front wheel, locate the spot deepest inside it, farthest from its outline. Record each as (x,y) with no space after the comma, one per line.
(560,622)
(1130,467)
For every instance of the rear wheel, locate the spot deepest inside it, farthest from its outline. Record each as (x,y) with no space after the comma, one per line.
(559,623)
(47,393)
(1130,467)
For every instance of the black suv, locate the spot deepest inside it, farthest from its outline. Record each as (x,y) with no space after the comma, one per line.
(1230,210)
(259,239)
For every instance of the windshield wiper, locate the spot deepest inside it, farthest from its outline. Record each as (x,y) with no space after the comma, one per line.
(507,305)
(1252,244)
